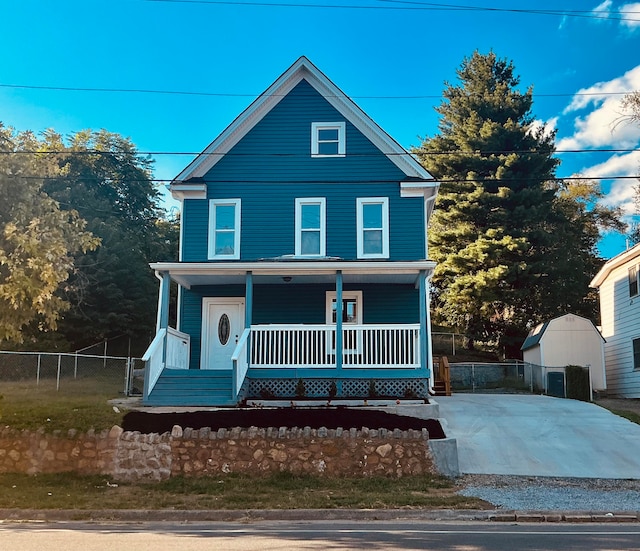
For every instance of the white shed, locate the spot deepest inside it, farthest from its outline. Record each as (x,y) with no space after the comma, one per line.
(567,340)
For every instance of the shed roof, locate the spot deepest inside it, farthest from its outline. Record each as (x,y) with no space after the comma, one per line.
(535,335)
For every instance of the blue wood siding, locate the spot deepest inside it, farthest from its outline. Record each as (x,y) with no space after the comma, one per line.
(272,165)
(300,304)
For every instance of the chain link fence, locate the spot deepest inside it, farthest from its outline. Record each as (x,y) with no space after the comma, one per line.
(57,370)
(496,377)
(512,377)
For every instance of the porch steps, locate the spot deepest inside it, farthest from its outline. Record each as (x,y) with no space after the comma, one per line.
(192,387)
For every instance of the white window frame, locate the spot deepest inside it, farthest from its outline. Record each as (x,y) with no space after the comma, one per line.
(213,203)
(316,127)
(360,203)
(300,201)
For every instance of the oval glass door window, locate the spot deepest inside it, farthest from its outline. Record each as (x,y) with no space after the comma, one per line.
(224,329)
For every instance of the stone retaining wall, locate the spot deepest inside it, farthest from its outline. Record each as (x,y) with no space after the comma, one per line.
(132,456)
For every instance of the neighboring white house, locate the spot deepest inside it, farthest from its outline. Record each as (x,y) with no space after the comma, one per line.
(618,284)
(567,340)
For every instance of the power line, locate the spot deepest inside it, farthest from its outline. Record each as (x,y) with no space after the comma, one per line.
(285,155)
(419,6)
(332,182)
(247,95)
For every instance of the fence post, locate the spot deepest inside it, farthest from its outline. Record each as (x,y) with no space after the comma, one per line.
(58,376)
(75,366)
(38,372)
(453,344)
(127,377)
(473,377)
(104,363)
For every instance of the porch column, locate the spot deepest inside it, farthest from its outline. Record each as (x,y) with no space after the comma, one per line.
(248,300)
(339,320)
(163,301)
(424,348)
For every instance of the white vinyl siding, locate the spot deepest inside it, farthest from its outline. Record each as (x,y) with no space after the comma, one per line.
(620,327)
(310,226)
(372,218)
(224,229)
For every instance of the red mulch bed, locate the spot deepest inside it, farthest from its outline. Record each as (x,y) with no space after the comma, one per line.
(331,418)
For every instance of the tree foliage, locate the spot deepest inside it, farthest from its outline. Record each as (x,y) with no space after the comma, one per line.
(104,179)
(513,245)
(38,240)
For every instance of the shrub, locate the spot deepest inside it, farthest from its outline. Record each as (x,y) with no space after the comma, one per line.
(578,383)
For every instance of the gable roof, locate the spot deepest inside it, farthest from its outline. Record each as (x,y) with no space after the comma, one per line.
(535,335)
(303,69)
(613,263)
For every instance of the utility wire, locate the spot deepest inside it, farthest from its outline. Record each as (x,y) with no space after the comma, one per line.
(391,154)
(246,95)
(330,182)
(417,6)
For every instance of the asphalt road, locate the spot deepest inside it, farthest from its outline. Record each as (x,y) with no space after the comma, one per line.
(338,535)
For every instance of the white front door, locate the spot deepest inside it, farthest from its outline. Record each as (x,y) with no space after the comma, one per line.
(222,325)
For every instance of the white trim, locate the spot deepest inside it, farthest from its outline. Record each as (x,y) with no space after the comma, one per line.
(213,203)
(182,191)
(316,127)
(322,202)
(614,263)
(360,203)
(302,69)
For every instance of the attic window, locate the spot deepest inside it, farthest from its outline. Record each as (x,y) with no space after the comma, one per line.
(328,139)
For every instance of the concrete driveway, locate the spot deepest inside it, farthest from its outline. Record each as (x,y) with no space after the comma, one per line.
(540,436)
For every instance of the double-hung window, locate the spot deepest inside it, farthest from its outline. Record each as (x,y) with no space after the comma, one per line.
(310,226)
(372,218)
(633,281)
(224,229)
(328,139)
(636,353)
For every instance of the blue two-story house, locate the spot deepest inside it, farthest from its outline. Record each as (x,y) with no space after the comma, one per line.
(303,264)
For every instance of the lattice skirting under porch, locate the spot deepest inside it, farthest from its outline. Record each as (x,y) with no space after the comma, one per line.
(345,388)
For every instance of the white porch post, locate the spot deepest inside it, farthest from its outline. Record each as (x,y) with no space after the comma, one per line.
(163,300)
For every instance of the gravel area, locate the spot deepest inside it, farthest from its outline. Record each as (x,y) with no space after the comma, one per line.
(553,494)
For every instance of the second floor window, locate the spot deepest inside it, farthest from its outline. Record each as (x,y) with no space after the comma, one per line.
(311,226)
(633,281)
(372,218)
(224,229)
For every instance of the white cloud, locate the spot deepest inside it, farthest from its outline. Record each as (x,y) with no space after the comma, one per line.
(621,192)
(604,8)
(630,14)
(604,125)
(549,126)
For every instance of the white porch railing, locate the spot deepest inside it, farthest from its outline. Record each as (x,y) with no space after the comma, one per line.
(240,362)
(169,348)
(178,345)
(313,346)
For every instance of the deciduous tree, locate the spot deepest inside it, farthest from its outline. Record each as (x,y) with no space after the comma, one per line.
(38,240)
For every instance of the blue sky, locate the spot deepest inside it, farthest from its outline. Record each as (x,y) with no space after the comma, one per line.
(392,57)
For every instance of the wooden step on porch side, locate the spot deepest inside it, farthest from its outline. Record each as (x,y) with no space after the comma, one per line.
(193,387)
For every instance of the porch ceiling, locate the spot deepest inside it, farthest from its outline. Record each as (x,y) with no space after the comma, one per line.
(190,274)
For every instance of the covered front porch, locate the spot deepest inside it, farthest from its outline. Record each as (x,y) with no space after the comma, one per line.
(228,358)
